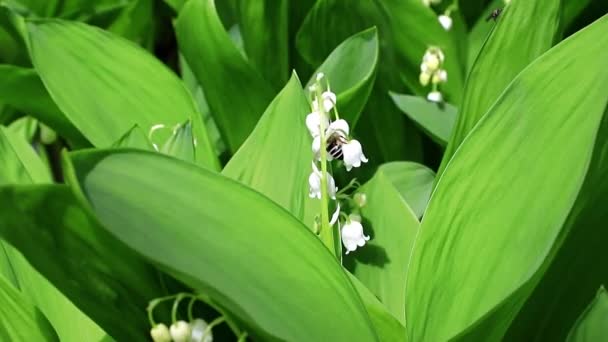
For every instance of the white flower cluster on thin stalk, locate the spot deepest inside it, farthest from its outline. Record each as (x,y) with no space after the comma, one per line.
(432,71)
(331,141)
(195,330)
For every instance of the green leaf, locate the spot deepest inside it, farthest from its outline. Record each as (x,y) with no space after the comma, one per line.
(125,85)
(18,86)
(19,319)
(264,26)
(164,202)
(413,181)
(235,105)
(508,207)
(381,265)
(101,276)
(580,244)
(480,30)
(386,325)
(19,164)
(592,325)
(27,168)
(135,138)
(181,144)
(351,70)
(280,138)
(511,46)
(437,120)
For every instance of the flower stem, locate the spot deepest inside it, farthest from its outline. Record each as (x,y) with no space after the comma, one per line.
(326,234)
(215,322)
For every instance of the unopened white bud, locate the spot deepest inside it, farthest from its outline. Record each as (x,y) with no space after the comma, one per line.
(445,21)
(424,79)
(435,96)
(199,331)
(160,333)
(320,76)
(360,199)
(180,331)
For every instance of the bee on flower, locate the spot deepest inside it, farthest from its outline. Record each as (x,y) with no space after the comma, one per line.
(432,71)
(331,141)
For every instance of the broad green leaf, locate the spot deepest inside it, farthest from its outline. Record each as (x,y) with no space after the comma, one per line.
(135,138)
(125,85)
(386,325)
(235,105)
(68,321)
(508,207)
(276,158)
(511,46)
(351,70)
(580,245)
(592,325)
(264,26)
(413,181)
(100,275)
(571,9)
(382,264)
(181,144)
(437,120)
(197,218)
(18,86)
(19,319)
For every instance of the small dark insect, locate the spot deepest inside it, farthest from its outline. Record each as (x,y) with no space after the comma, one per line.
(334,145)
(494,15)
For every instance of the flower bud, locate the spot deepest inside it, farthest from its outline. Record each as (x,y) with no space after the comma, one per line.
(199,333)
(360,199)
(445,21)
(434,96)
(160,333)
(424,79)
(180,331)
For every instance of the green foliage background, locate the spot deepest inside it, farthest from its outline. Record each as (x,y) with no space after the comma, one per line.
(487,213)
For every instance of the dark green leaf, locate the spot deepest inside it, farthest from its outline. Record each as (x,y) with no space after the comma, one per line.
(437,120)
(413,181)
(19,319)
(592,325)
(101,276)
(236,104)
(350,70)
(382,264)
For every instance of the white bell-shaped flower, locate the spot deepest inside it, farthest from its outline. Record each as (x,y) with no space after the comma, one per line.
(180,331)
(445,21)
(313,123)
(352,234)
(198,331)
(160,333)
(338,126)
(328,99)
(316,147)
(314,181)
(431,60)
(353,154)
(435,96)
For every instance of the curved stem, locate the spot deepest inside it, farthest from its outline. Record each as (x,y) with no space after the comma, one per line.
(243,337)
(215,322)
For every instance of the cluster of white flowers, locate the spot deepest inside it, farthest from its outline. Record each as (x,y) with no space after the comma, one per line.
(333,136)
(182,331)
(431,71)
